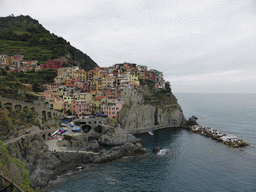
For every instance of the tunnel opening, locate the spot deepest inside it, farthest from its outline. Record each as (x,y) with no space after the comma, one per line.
(86,128)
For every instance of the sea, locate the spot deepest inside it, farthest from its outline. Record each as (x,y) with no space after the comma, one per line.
(188,161)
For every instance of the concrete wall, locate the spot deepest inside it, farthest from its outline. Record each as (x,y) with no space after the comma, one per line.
(43,112)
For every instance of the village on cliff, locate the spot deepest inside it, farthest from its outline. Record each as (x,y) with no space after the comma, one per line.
(102,90)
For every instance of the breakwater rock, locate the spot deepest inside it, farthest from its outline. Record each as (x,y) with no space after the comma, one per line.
(230,140)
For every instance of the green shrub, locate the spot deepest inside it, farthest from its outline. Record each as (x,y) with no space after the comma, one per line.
(14,169)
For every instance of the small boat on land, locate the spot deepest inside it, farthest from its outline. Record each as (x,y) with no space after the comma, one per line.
(76,129)
(151,132)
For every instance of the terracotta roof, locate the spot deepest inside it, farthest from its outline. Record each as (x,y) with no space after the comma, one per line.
(99,98)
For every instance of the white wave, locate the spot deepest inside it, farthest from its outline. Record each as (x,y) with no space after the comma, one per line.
(162,152)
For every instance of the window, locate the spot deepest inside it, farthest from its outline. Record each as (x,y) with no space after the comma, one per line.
(113,112)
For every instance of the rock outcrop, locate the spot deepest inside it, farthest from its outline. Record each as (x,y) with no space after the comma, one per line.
(116,136)
(192,121)
(128,149)
(147,115)
(150,108)
(44,165)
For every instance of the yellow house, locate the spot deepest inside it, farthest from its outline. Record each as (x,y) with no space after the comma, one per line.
(67,103)
(82,76)
(134,78)
(108,81)
(67,99)
(83,96)
(58,105)
(98,104)
(96,86)
(96,74)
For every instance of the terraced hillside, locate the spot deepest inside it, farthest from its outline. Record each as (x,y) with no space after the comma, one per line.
(24,35)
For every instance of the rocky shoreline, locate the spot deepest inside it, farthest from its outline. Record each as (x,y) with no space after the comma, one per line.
(230,140)
(45,165)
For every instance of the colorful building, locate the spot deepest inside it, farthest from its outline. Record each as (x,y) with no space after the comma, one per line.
(98,104)
(112,108)
(53,64)
(79,107)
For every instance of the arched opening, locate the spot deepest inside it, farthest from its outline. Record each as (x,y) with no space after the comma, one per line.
(49,134)
(17,108)
(98,129)
(25,108)
(8,105)
(43,136)
(49,115)
(86,128)
(44,115)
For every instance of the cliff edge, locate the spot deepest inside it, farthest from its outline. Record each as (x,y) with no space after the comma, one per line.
(149,108)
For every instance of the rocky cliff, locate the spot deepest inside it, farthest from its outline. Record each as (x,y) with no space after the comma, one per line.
(44,165)
(155,109)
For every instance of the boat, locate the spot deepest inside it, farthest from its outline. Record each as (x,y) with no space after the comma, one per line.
(63,124)
(76,130)
(151,132)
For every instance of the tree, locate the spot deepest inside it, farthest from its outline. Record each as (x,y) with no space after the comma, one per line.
(168,87)
(36,87)
(68,112)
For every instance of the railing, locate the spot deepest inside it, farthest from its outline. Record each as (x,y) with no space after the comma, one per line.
(8,186)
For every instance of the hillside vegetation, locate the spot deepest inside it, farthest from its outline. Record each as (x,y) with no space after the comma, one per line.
(12,87)
(41,77)
(9,83)
(14,169)
(24,35)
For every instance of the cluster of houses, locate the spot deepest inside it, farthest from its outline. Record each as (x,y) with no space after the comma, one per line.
(16,63)
(100,90)
(83,93)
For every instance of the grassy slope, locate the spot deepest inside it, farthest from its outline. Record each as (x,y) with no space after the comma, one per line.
(24,35)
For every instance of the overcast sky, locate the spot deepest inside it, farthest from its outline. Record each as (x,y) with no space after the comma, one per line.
(206,46)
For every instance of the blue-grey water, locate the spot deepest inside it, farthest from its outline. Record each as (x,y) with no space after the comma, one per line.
(192,162)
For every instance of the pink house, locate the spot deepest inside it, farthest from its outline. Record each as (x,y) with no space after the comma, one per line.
(48,95)
(52,86)
(79,107)
(111,93)
(112,108)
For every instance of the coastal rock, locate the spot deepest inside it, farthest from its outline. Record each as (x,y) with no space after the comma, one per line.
(140,116)
(128,149)
(86,142)
(157,150)
(192,121)
(116,136)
